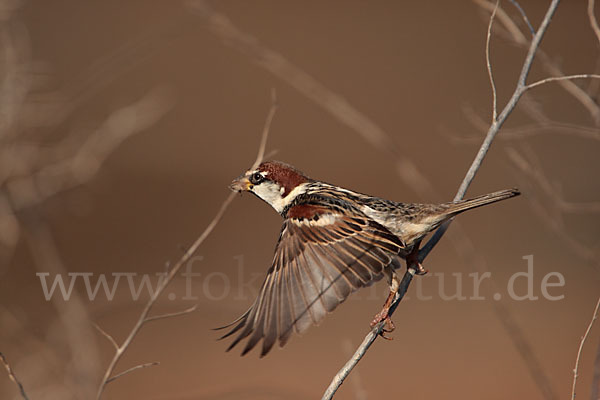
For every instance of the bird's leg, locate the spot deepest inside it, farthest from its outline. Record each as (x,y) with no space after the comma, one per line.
(383,314)
(412,260)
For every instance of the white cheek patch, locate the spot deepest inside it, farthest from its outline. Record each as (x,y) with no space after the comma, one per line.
(272,193)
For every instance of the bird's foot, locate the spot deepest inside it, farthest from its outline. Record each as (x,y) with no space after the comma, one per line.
(420,270)
(412,260)
(389,326)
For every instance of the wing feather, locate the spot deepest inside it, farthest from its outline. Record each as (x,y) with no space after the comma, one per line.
(320,259)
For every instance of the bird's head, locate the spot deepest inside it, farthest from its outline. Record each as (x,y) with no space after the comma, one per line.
(275,182)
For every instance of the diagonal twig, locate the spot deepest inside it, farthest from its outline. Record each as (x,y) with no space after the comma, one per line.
(524,15)
(120,374)
(174,314)
(493,130)
(595,394)
(13,377)
(583,339)
(106,335)
(339,378)
(520,89)
(143,318)
(561,78)
(593,20)
(547,63)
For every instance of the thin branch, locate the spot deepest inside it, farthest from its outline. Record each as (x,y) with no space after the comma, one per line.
(13,377)
(561,78)
(518,7)
(587,332)
(174,314)
(549,65)
(106,335)
(265,133)
(184,259)
(495,127)
(595,393)
(491,134)
(593,20)
(340,108)
(339,378)
(117,376)
(489,64)
(357,387)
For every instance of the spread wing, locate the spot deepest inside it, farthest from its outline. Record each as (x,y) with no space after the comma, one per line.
(321,257)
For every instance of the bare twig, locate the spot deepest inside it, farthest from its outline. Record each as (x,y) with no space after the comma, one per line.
(561,78)
(339,378)
(117,376)
(106,335)
(595,393)
(587,331)
(224,29)
(359,391)
(496,125)
(13,377)
(174,314)
(524,15)
(143,318)
(489,64)
(547,63)
(593,20)
(492,131)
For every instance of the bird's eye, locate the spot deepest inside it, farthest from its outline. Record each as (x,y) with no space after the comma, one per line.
(256,178)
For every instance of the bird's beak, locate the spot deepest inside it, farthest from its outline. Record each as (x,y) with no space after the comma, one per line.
(240,184)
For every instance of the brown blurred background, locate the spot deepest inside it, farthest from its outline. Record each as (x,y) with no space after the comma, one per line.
(124,122)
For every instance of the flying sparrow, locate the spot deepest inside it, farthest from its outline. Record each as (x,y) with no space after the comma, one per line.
(333,242)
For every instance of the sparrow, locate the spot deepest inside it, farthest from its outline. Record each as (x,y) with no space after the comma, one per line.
(333,242)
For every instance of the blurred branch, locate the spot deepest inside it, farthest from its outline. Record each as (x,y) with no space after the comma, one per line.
(75,169)
(335,104)
(524,15)
(515,34)
(72,314)
(552,215)
(520,89)
(593,20)
(534,171)
(13,377)
(542,125)
(493,130)
(583,339)
(144,318)
(222,27)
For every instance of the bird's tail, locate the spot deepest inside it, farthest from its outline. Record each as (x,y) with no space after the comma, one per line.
(464,205)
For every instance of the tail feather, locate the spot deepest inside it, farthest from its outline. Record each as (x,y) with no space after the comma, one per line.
(463,205)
